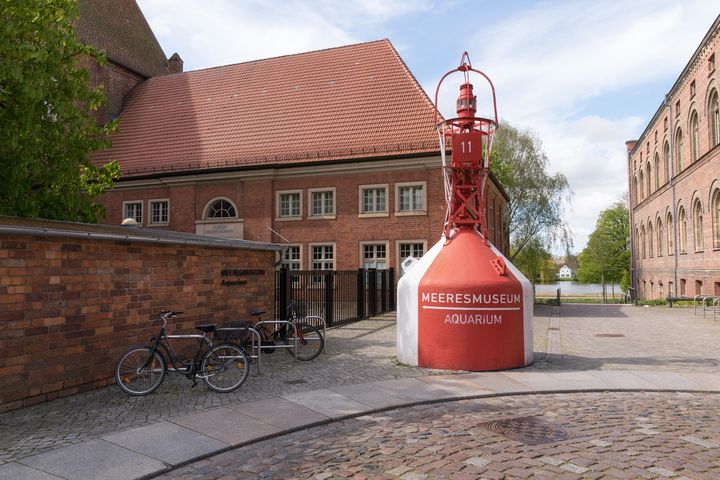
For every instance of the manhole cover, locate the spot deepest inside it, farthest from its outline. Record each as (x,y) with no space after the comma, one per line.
(530,430)
(295,382)
(609,335)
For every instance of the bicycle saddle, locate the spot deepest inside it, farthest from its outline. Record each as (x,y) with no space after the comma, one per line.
(256,313)
(205,328)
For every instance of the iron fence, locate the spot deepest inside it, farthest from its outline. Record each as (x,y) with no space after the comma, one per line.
(339,296)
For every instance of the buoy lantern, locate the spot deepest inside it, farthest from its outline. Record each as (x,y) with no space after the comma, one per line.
(463,305)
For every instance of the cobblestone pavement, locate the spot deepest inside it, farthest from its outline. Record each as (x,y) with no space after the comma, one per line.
(611,435)
(657,338)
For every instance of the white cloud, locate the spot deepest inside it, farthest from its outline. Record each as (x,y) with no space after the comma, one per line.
(550,64)
(219,32)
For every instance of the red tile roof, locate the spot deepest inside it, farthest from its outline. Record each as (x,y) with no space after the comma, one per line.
(119,28)
(353,102)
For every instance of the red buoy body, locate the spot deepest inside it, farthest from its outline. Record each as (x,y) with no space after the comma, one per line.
(463,305)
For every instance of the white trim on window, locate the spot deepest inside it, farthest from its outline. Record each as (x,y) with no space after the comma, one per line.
(299,246)
(150,216)
(361,201)
(206,210)
(399,259)
(361,250)
(133,202)
(284,218)
(322,244)
(324,216)
(413,211)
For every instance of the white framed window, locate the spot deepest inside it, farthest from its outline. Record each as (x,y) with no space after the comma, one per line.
(159,211)
(220,208)
(292,257)
(289,204)
(321,202)
(409,248)
(322,256)
(373,200)
(410,198)
(374,255)
(133,209)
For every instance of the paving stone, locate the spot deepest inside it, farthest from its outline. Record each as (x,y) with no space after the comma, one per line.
(15,471)
(372,395)
(668,380)
(95,459)
(167,442)
(414,389)
(445,440)
(456,385)
(622,380)
(280,412)
(327,402)
(226,425)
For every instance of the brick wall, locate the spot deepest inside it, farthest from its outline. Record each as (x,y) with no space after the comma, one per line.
(671,185)
(116,81)
(255,201)
(69,306)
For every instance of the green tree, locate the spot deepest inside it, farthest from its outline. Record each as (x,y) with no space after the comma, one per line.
(535,262)
(535,212)
(47,130)
(606,258)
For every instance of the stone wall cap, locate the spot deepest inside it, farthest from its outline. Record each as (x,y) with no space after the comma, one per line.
(55,228)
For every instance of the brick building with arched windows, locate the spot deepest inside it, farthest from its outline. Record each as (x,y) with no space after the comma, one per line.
(674,182)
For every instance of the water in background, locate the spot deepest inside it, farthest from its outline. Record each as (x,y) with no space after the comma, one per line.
(575,289)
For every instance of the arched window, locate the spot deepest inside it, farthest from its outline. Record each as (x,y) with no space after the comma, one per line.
(666,160)
(682,230)
(716,217)
(648,169)
(220,209)
(698,225)
(637,241)
(642,241)
(678,151)
(694,137)
(651,235)
(635,189)
(714,117)
(669,232)
(641,185)
(657,171)
(660,235)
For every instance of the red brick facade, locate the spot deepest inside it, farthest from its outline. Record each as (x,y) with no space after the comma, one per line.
(255,195)
(674,182)
(69,306)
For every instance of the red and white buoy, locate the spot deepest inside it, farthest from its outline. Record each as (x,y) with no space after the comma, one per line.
(463,305)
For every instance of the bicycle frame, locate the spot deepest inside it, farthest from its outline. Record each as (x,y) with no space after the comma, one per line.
(161,342)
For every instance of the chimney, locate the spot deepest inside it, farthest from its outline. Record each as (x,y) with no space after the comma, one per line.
(175,64)
(630,144)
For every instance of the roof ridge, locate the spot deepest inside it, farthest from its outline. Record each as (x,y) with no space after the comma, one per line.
(258,60)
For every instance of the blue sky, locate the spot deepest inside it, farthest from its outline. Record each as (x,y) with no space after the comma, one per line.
(583,75)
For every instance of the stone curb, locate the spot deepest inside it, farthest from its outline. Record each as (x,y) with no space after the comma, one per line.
(151,450)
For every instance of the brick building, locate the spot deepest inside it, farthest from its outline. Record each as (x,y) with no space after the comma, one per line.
(333,152)
(674,184)
(119,28)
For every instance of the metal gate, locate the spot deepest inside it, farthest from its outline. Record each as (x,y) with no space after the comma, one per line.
(339,296)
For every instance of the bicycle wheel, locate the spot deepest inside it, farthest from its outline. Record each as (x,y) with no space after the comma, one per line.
(135,375)
(310,341)
(224,368)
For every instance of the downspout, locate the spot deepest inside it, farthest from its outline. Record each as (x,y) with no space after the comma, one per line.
(633,240)
(672,189)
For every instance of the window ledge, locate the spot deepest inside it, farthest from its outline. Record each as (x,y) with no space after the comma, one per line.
(321,217)
(287,219)
(373,214)
(151,225)
(407,214)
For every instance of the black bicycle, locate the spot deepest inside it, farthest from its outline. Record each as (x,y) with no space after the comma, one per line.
(282,334)
(141,370)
